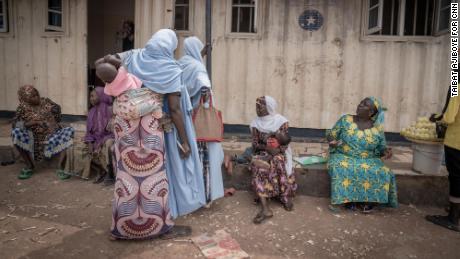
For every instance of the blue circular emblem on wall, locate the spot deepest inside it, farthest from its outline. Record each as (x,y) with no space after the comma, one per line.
(311,20)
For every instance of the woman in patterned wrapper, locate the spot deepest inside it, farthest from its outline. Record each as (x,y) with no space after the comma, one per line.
(156,67)
(141,207)
(359,179)
(271,162)
(36,131)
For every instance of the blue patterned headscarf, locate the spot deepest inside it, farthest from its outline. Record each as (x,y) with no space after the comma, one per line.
(379,116)
(155,65)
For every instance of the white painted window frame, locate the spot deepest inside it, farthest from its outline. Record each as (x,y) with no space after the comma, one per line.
(51,30)
(191,7)
(10,20)
(379,7)
(438,32)
(5,15)
(365,22)
(259,7)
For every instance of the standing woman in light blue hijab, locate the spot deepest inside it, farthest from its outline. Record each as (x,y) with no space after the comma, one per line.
(196,79)
(156,67)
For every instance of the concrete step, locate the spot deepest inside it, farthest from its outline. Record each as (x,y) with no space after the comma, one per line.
(413,188)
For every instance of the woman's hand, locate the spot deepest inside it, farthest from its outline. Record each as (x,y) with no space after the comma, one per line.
(205,94)
(335,143)
(166,123)
(387,154)
(204,51)
(33,123)
(184,150)
(435,117)
(273,151)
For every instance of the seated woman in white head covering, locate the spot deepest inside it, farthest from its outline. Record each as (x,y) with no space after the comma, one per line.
(271,164)
(196,79)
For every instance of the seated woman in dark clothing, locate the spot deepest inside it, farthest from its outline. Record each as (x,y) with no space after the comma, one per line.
(36,131)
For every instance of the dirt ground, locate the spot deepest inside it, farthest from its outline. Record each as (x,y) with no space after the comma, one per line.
(46,218)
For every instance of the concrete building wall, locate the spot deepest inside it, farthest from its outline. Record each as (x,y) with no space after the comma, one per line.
(315,76)
(56,65)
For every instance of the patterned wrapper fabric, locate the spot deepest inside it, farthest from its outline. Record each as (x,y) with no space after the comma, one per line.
(140,206)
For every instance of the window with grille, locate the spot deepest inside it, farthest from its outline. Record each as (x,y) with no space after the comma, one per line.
(55,16)
(407,17)
(3,16)
(182,15)
(443,17)
(244,16)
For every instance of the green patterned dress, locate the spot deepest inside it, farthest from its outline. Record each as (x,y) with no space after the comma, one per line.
(356,168)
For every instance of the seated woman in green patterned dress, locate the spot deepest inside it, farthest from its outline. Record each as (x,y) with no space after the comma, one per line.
(357,146)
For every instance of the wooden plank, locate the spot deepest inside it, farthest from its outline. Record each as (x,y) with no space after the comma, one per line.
(3,85)
(39,46)
(80,54)
(69,82)
(24,40)
(53,52)
(12,73)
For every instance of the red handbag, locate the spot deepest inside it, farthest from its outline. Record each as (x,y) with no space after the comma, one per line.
(208,123)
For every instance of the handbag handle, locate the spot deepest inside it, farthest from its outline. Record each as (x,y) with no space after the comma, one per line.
(210,100)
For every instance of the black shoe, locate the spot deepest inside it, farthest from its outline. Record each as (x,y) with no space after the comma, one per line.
(450,221)
(442,221)
(108,181)
(5,163)
(100,178)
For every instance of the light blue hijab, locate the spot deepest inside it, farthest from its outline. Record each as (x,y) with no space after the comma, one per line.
(194,75)
(154,64)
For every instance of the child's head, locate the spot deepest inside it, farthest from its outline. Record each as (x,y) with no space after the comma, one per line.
(93,98)
(283,139)
(106,72)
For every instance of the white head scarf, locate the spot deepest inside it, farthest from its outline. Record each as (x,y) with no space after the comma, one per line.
(195,75)
(273,121)
(271,124)
(155,65)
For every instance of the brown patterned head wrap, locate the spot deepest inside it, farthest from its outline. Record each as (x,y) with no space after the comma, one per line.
(25,92)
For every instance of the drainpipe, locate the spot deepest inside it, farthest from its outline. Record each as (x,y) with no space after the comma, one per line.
(208,37)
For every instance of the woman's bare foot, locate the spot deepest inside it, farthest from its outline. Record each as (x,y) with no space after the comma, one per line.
(208,205)
(262,216)
(228,164)
(288,206)
(229,192)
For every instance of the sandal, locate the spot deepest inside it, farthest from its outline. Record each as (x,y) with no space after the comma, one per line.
(261,217)
(100,178)
(62,174)
(288,206)
(367,209)
(350,206)
(25,174)
(334,209)
(177,231)
(229,192)
(442,221)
